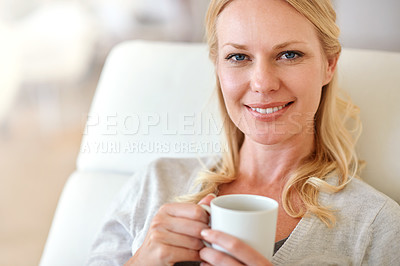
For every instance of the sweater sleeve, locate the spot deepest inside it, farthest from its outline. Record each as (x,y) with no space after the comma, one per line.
(384,247)
(126,225)
(113,243)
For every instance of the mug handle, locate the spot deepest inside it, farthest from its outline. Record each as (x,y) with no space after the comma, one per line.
(208,210)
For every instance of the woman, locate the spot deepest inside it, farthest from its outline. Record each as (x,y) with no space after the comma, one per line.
(275,62)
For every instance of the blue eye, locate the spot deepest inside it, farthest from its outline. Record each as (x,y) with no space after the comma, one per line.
(290,55)
(236,57)
(239,57)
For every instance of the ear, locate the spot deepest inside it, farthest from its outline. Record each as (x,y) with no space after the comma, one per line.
(330,68)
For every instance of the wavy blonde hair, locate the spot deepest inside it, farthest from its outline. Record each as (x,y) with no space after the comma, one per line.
(335,140)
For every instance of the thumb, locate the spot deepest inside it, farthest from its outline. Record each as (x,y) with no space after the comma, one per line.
(207,199)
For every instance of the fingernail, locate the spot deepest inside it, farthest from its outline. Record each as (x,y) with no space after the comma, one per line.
(212,194)
(205,232)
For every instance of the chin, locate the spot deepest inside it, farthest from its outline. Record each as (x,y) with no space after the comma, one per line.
(268,139)
(275,135)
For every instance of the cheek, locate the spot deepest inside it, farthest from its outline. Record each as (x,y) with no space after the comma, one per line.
(233,84)
(309,82)
(305,84)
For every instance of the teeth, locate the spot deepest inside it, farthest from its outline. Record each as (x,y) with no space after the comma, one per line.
(268,110)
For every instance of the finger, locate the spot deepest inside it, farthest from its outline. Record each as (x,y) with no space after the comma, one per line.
(191,226)
(184,226)
(240,250)
(177,240)
(207,199)
(214,257)
(172,254)
(185,210)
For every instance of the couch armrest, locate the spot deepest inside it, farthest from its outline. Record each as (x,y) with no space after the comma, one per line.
(83,202)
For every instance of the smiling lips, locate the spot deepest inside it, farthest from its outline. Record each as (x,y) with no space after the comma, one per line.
(270,110)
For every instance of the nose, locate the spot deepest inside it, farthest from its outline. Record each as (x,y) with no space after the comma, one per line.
(264,77)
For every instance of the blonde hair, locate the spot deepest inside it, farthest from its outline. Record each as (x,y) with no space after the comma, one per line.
(334,149)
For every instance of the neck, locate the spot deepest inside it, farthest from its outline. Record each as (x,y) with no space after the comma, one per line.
(271,164)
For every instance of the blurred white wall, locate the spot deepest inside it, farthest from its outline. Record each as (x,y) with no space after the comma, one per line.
(369,24)
(50,43)
(57,41)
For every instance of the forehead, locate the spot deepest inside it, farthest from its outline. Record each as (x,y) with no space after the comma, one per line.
(263,21)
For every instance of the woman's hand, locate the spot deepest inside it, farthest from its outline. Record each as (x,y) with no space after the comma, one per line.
(242,254)
(173,236)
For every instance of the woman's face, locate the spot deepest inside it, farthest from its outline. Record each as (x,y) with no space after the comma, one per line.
(271,69)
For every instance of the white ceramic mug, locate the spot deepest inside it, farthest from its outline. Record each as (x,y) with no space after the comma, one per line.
(251,218)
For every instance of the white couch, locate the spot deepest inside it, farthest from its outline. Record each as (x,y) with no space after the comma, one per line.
(153,99)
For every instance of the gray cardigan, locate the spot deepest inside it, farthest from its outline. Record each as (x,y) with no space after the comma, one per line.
(367,230)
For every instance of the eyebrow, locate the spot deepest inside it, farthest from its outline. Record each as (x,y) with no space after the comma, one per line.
(276,47)
(235,45)
(286,44)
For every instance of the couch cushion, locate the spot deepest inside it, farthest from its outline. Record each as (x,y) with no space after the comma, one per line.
(153,99)
(372,80)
